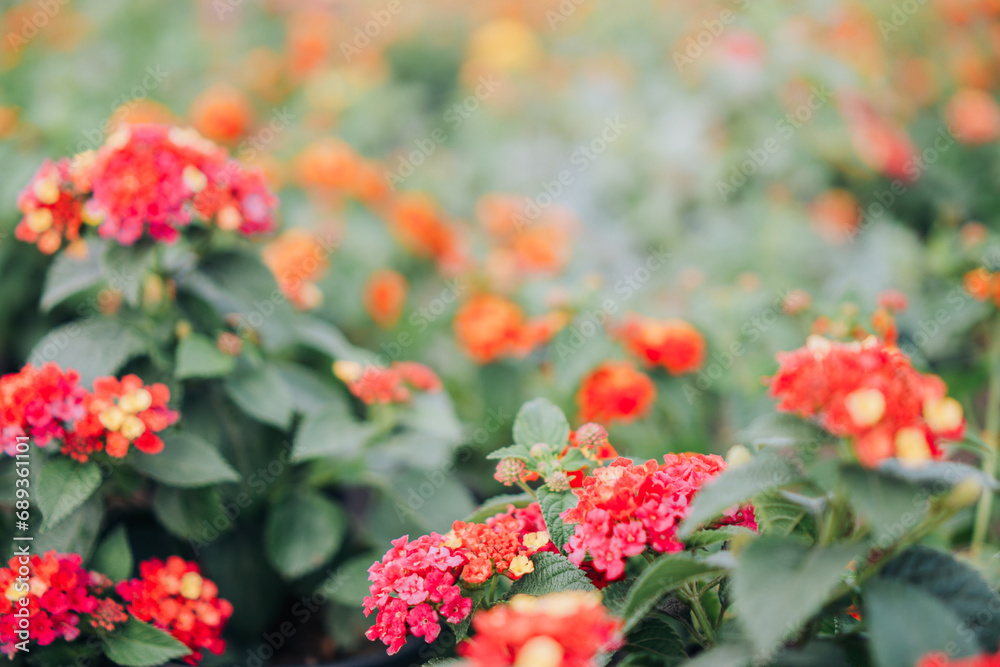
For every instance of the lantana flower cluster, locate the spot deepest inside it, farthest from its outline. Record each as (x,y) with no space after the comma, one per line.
(174,597)
(674,344)
(568,629)
(393,384)
(615,391)
(47,404)
(146,179)
(623,509)
(868,391)
(55,589)
(489,327)
(417,583)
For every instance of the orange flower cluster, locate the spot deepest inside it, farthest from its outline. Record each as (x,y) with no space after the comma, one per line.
(332,165)
(385,296)
(615,391)
(221,113)
(983,285)
(421,227)
(298,259)
(495,548)
(490,327)
(868,391)
(674,344)
(566,629)
(122,413)
(525,240)
(395,384)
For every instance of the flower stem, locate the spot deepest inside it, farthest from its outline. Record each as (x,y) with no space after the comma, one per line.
(527,489)
(989,463)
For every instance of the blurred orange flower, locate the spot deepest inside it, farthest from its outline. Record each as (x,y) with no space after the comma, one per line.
(835,214)
(674,344)
(385,296)
(221,113)
(333,164)
(420,226)
(297,259)
(973,117)
(615,390)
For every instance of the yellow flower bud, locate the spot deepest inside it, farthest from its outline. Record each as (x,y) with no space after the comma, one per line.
(965,493)
(193,178)
(911,446)
(737,456)
(229,219)
(865,406)
(191,584)
(540,651)
(112,418)
(943,415)
(537,540)
(132,427)
(347,371)
(39,220)
(521,565)
(136,401)
(46,190)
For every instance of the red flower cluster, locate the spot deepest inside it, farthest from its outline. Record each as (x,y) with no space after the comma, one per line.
(615,390)
(119,413)
(395,384)
(54,589)
(174,597)
(625,508)
(558,630)
(674,344)
(414,582)
(145,178)
(868,391)
(41,403)
(942,660)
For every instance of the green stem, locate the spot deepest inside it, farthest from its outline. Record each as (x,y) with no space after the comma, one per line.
(989,463)
(699,613)
(527,489)
(493,590)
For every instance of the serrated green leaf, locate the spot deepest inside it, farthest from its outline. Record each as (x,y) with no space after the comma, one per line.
(778,513)
(553,573)
(955,584)
(138,644)
(74,534)
(69,275)
(665,575)
(511,452)
(94,347)
(889,506)
(539,420)
(554,504)
(737,485)
(302,532)
(199,357)
(331,435)
(261,393)
(64,485)
(192,514)
(125,267)
(498,504)
(186,461)
(615,594)
(113,557)
(655,638)
(905,623)
(779,583)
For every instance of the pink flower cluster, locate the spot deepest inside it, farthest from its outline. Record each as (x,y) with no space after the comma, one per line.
(624,509)
(40,403)
(146,178)
(411,586)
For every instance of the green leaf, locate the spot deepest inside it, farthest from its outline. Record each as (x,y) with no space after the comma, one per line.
(324,337)
(905,623)
(137,644)
(553,504)
(94,347)
(191,514)
(705,538)
(553,573)
(938,475)
(511,452)
(737,485)
(539,420)
(349,583)
(198,357)
(126,267)
(310,391)
(186,460)
(727,655)
(76,533)
(262,394)
(64,485)
(778,513)
(955,584)
(302,533)
(70,275)
(779,583)
(331,435)
(655,638)
(889,506)
(665,575)
(498,504)
(615,594)
(114,556)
